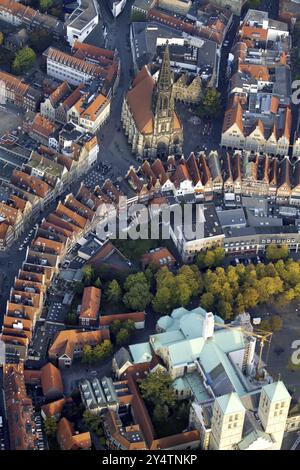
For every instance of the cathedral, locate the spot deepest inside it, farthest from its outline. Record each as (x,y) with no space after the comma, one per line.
(149,118)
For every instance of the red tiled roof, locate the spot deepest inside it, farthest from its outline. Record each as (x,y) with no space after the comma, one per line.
(90,303)
(107,320)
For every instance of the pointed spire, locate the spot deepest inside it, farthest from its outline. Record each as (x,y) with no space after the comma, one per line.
(165,75)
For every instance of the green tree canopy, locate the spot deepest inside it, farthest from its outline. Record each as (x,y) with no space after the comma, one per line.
(114,292)
(123,337)
(277,252)
(50,427)
(40,39)
(45,5)
(210,105)
(137,296)
(157,388)
(23,61)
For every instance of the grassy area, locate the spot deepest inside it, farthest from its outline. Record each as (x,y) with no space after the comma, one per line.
(135,249)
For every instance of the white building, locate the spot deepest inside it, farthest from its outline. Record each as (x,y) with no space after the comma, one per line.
(90,112)
(117,6)
(200,231)
(82,21)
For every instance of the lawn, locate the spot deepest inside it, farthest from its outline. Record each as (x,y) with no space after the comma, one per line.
(135,249)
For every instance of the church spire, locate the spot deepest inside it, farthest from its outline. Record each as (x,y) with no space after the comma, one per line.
(165,76)
(163,102)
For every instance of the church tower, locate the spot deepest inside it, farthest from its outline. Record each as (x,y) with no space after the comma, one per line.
(227,422)
(273,411)
(163,99)
(164,107)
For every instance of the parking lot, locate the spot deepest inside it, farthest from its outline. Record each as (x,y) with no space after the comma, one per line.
(11,118)
(28,238)
(56,313)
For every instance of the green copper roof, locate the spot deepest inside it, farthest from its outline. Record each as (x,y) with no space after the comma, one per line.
(277,391)
(140,352)
(252,437)
(230,403)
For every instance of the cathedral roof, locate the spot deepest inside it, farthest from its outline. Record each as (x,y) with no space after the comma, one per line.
(139,99)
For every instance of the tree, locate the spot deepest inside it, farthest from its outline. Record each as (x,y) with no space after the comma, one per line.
(78,288)
(123,337)
(115,327)
(24,60)
(50,427)
(224,309)
(219,256)
(277,252)
(87,354)
(160,413)
(163,301)
(129,325)
(211,258)
(98,283)
(267,287)
(250,297)
(45,5)
(71,318)
(102,351)
(88,274)
(114,293)
(207,301)
(138,294)
(192,276)
(272,324)
(210,105)
(157,388)
(91,421)
(40,39)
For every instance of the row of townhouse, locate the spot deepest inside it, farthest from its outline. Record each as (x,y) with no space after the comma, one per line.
(258,116)
(42,179)
(15,214)
(77,26)
(207,175)
(17,14)
(59,231)
(85,106)
(23,433)
(15,91)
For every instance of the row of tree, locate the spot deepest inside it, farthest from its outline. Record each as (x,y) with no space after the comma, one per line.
(226,291)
